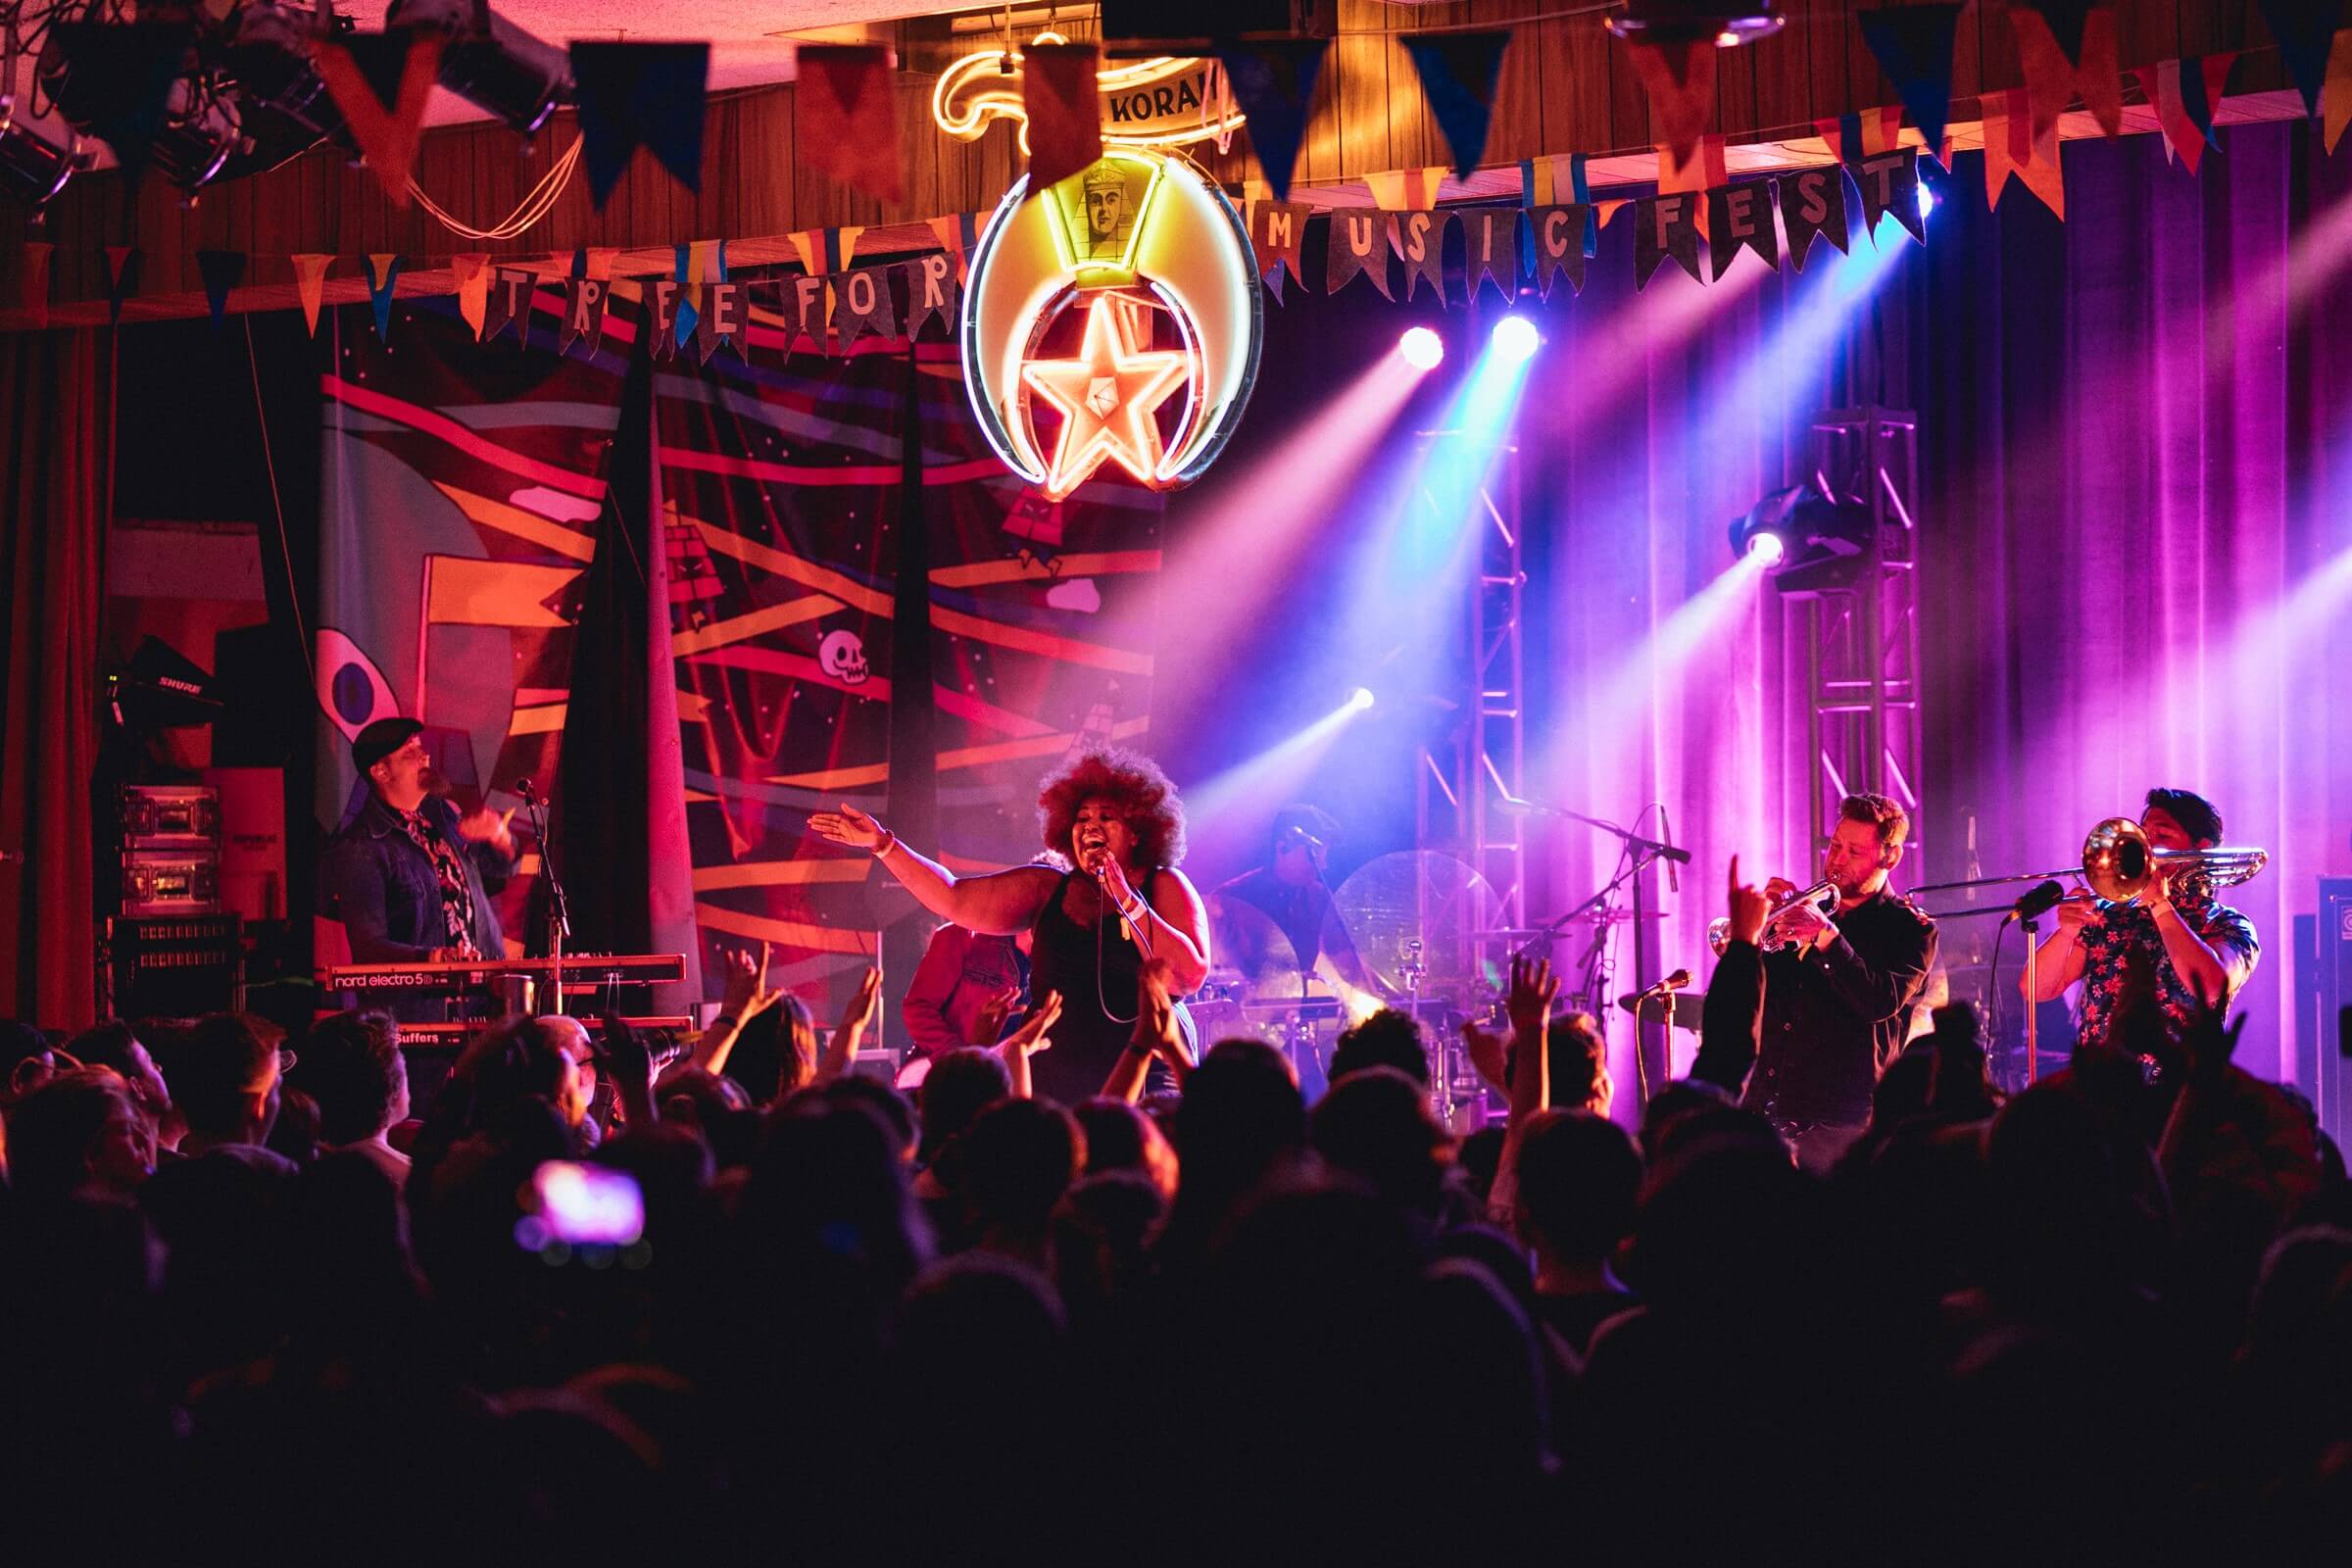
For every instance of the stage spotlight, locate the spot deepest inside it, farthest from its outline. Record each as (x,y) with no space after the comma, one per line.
(32,168)
(1515,338)
(1729,23)
(513,75)
(1766,549)
(1809,543)
(1422,348)
(1927,200)
(92,85)
(1361,698)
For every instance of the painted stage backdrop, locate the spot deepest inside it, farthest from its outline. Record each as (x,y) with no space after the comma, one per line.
(922,638)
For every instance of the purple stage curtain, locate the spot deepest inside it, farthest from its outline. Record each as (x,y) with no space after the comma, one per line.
(57,415)
(2137,431)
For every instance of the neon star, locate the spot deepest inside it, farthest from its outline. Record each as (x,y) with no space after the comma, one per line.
(1106,397)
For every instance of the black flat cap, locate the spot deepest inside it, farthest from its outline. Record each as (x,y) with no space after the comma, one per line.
(380,740)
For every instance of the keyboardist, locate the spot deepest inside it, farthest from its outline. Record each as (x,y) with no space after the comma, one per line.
(408,877)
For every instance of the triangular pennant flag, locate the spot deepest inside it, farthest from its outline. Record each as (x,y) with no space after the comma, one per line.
(633,95)
(956,236)
(1064,108)
(932,285)
(822,252)
(1404,190)
(1813,202)
(1610,209)
(357,69)
(1914,47)
(512,291)
(1355,246)
(1736,215)
(1680,78)
(1458,72)
(1665,226)
(2303,29)
(1420,239)
(1556,230)
(717,301)
(2065,21)
(1490,250)
(803,303)
(2339,91)
(384,269)
(685,299)
(584,302)
(469,273)
(1702,172)
(1861,134)
(847,117)
(310,285)
(122,280)
(221,272)
(32,281)
(2182,93)
(1277,236)
(1274,84)
(126,73)
(2052,77)
(2012,148)
(1889,184)
(861,305)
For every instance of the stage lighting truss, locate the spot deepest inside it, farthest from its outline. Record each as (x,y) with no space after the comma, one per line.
(248,97)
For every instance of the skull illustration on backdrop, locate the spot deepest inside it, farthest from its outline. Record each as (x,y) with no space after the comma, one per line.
(842,656)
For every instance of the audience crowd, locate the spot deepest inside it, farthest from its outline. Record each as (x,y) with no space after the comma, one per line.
(254,1310)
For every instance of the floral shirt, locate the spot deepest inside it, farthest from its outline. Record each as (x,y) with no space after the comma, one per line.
(456,897)
(2127,930)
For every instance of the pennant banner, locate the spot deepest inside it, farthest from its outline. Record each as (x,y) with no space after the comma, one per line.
(358,68)
(1458,72)
(1856,136)
(1741,216)
(932,288)
(956,236)
(310,284)
(1557,232)
(1355,247)
(1274,83)
(1680,78)
(122,280)
(469,271)
(1490,250)
(721,323)
(2304,29)
(1914,47)
(509,289)
(1813,202)
(2184,93)
(1420,238)
(1557,181)
(2054,73)
(384,269)
(1404,190)
(221,271)
(2339,91)
(1277,235)
(585,298)
(2012,148)
(1665,226)
(1064,108)
(804,305)
(1889,184)
(632,95)
(848,116)
(861,305)
(1702,172)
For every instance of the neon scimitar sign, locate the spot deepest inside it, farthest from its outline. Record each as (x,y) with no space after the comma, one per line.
(1113,320)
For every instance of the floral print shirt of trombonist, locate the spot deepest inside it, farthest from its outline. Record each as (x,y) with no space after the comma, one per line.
(2120,934)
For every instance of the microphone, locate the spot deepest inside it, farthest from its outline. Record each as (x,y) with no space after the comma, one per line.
(1672,983)
(522,787)
(2040,899)
(1674,881)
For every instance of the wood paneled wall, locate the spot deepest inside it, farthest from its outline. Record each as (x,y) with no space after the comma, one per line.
(1567,86)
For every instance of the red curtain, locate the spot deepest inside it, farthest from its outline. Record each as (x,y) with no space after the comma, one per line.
(56,417)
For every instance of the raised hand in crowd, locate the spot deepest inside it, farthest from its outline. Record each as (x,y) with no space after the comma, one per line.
(1746,907)
(746,998)
(631,1066)
(1033,1036)
(988,1024)
(1156,1035)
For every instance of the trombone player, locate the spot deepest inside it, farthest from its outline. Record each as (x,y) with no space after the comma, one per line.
(2194,946)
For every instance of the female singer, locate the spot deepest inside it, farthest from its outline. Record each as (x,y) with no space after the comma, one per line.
(1114,816)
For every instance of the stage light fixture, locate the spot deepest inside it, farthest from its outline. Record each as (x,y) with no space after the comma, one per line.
(517,77)
(286,109)
(1809,543)
(1927,200)
(1422,348)
(197,131)
(1515,338)
(32,168)
(1729,23)
(1361,698)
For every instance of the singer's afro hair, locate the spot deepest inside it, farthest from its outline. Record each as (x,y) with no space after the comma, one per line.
(1132,782)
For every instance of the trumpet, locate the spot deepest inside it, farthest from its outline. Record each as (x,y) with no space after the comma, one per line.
(1719,929)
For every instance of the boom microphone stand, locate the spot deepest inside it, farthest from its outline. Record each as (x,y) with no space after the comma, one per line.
(559,909)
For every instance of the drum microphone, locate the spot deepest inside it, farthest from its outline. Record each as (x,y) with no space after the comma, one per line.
(1672,983)
(1674,883)
(2040,899)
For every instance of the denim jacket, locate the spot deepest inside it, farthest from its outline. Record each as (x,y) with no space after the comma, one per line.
(387,894)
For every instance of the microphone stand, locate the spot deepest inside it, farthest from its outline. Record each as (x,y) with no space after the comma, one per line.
(559,908)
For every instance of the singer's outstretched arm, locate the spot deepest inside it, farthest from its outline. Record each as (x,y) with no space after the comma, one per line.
(999,903)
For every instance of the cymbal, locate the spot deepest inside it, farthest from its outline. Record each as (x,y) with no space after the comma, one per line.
(1245,939)
(1598,917)
(1419,905)
(1690,1007)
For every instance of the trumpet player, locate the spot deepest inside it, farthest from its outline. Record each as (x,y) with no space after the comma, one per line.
(1838,985)
(2194,946)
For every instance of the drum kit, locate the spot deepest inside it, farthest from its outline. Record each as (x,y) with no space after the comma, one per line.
(1414,931)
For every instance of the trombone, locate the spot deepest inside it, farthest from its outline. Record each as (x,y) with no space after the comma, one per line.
(2119,865)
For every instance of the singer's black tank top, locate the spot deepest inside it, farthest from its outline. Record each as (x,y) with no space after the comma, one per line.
(1096,970)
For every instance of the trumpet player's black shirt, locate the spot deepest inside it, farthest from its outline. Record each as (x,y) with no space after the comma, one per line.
(1835,1018)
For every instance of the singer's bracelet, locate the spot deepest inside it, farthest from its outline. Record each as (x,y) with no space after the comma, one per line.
(890,842)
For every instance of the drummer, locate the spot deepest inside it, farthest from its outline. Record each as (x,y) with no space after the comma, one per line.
(1289,888)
